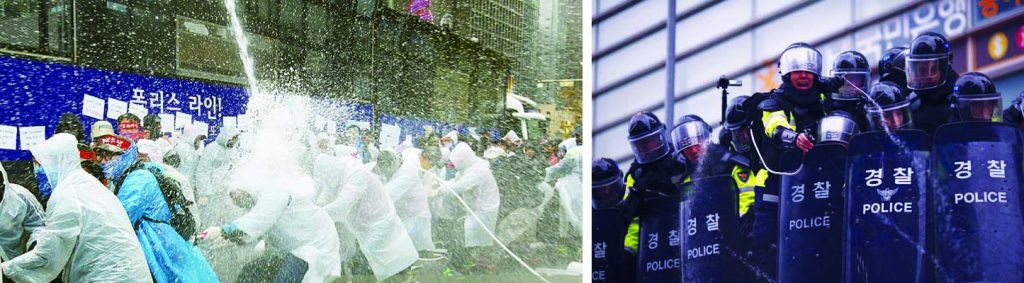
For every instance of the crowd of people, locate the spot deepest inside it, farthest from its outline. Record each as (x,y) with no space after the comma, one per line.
(764,136)
(141,205)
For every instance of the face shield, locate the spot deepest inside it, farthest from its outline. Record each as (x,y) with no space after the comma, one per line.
(800,59)
(690,139)
(649,147)
(608,193)
(836,129)
(926,73)
(741,139)
(980,107)
(893,117)
(855,84)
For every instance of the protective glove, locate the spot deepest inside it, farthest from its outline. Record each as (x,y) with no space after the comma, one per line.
(212,233)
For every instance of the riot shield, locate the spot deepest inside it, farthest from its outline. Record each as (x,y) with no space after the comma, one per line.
(608,257)
(710,229)
(886,207)
(979,228)
(659,247)
(811,217)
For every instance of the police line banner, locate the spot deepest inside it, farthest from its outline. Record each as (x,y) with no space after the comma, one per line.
(35,95)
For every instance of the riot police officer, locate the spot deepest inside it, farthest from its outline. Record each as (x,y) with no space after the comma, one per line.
(930,76)
(788,117)
(890,68)
(737,137)
(1014,114)
(613,208)
(891,109)
(977,99)
(852,67)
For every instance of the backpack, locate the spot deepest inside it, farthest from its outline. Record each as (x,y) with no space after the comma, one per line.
(182,219)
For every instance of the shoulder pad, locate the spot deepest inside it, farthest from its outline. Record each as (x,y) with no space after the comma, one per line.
(770,104)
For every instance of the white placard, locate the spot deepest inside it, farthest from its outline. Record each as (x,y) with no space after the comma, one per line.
(361,124)
(8,137)
(181,120)
(389,135)
(116,108)
(92,106)
(203,127)
(138,109)
(244,122)
(166,123)
(31,136)
(332,127)
(318,123)
(230,122)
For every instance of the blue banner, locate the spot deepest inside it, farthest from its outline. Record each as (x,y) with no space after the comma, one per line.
(36,94)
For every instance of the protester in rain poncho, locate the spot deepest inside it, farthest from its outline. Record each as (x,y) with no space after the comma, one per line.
(282,210)
(171,258)
(406,190)
(22,215)
(569,184)
(448,141)
(153,152)
(188,149)
(214,165)
(355,197)
(476,184)
(88,237)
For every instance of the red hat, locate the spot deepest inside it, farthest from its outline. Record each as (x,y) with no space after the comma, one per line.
(114,143)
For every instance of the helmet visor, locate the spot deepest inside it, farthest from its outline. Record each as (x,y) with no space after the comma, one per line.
(836,129)
(981,107)
(925,73)
(690,134)
(608,192)
(741,139)
(893,117)
(649,147)
(800,59)
(855,85)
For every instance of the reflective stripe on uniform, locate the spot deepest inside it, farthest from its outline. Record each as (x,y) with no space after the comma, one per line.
(770,198)
(773,119)
(632,239)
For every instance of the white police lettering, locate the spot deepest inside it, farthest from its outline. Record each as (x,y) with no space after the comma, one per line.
(598,275)
(888,207)
(652,241)
(712,222)
(821,189)
(963,169)
(874,177)
(599,249)
(997,169)
(813,222)
(673,238)
(697,252)
(665,264)
(691,226)
(902,175)
(979,197)
(798,193)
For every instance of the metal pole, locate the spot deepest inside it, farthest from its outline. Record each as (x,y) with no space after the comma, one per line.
(670,66)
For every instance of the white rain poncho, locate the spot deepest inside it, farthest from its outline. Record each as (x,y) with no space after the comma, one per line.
(188,154)
(569,175)
(475,182)
(289,218)
(87,236)
(20,214)
(410,196)
(214,165)
(355,197)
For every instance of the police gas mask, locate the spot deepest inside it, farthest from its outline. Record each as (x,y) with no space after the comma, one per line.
(607,187)
(691,136)
(977,98)
(837,127)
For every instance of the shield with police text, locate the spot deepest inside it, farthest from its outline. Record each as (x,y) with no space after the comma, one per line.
(886,207)
(660,241)
(608,257)
(811,218)
(710,229)
(979,228)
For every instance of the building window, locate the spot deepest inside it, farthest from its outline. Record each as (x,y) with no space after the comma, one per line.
(25,30)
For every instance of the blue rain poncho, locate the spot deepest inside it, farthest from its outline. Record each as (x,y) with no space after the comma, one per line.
(170,257)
